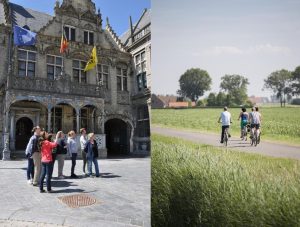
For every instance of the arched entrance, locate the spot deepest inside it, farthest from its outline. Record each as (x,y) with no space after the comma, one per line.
(117,137)
(23,132)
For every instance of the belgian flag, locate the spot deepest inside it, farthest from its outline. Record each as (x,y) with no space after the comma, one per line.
(64,43)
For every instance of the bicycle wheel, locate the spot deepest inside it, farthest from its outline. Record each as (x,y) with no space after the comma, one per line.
(225,138)
(255,138)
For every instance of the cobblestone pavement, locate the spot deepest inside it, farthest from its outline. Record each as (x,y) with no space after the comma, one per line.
(122,193)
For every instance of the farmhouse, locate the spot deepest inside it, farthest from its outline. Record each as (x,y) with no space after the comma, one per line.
(41,86)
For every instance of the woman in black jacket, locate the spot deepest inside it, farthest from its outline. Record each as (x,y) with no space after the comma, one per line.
(61,152)
(91,150)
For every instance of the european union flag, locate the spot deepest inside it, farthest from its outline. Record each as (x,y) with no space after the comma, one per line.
(24,37)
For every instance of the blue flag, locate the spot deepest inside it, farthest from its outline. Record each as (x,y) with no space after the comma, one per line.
(24,37)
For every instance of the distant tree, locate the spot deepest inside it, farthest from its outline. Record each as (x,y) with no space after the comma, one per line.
(200,103)
(235,86)
(221,99)
(280,83)
(194,83)
(211,99)
(296,81)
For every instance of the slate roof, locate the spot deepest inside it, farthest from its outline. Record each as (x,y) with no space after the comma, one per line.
(23,16)
(145,20)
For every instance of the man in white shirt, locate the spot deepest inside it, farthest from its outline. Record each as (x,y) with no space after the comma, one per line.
(256,122)
(225,119)
(83,141)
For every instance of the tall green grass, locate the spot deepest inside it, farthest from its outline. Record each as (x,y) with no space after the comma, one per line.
(281,124)
(198,185)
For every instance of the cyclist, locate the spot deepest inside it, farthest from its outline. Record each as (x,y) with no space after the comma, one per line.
(225,118)
(251,120)
(244,116)
(255,123)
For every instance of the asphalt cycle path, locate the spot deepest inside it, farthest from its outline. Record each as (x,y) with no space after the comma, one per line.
(264,148)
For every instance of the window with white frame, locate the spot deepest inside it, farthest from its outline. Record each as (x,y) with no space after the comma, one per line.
(103,74)
(79,75)
(143,124)
(54,66)
(88,37)
(70,33)
(140,66)
(26,63)
(122,79)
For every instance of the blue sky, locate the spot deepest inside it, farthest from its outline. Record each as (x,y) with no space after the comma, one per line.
(118,11)
(248,37)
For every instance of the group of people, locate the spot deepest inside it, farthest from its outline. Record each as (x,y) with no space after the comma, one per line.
(42,151)
(253,119)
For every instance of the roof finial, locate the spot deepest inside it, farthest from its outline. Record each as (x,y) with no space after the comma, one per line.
(107,21)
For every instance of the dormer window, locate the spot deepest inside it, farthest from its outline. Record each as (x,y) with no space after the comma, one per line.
(89,37)
(70,33)
(26,27)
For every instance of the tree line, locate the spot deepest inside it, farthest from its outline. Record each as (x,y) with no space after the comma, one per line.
(233,88)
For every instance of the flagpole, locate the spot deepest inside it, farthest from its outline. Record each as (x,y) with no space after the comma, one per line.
(63,53)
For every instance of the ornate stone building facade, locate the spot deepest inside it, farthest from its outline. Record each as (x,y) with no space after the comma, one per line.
(40,86)
(137,41)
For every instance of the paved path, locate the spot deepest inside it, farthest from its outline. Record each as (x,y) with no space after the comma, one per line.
(123,195)
(266,148)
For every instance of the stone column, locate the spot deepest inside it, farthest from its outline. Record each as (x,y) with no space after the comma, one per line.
(77,121)
(93,121)
(6,151)
(12,130)
(49,120)
(38,118)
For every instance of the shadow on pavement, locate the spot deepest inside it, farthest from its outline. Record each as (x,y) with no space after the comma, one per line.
(61,184)
(68,191)
(109,175)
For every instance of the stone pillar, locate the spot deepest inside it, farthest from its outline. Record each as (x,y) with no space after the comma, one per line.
(99,126)
(77,122)
(6,150)
(49,120)
(93,121)
(38,119)
(12,130)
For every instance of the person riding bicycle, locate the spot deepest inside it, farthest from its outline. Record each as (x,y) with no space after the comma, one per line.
(256,122)
(250,120)
(225,119)
(244,116)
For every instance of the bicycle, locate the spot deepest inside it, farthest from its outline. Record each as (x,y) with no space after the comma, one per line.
(244,133)
(255,138)
(225,138)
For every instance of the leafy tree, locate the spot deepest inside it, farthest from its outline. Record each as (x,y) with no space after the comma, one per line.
(235,86)
(221,99)
(296,81)
(211,99)
(280,83)
(194,83)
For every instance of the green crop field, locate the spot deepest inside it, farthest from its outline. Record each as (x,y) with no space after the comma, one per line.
(279,124)
(199,185)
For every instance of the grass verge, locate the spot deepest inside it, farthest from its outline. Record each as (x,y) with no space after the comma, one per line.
(199,185)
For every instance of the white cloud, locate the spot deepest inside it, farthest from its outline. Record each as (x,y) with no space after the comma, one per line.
(233,50)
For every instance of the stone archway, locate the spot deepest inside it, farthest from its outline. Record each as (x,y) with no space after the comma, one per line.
(118,136)
(23,132)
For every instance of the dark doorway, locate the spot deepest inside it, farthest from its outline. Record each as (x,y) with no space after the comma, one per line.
(23,132)
(117,137)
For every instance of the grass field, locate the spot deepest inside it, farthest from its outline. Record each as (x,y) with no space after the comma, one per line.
(198,185)
(279,124)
